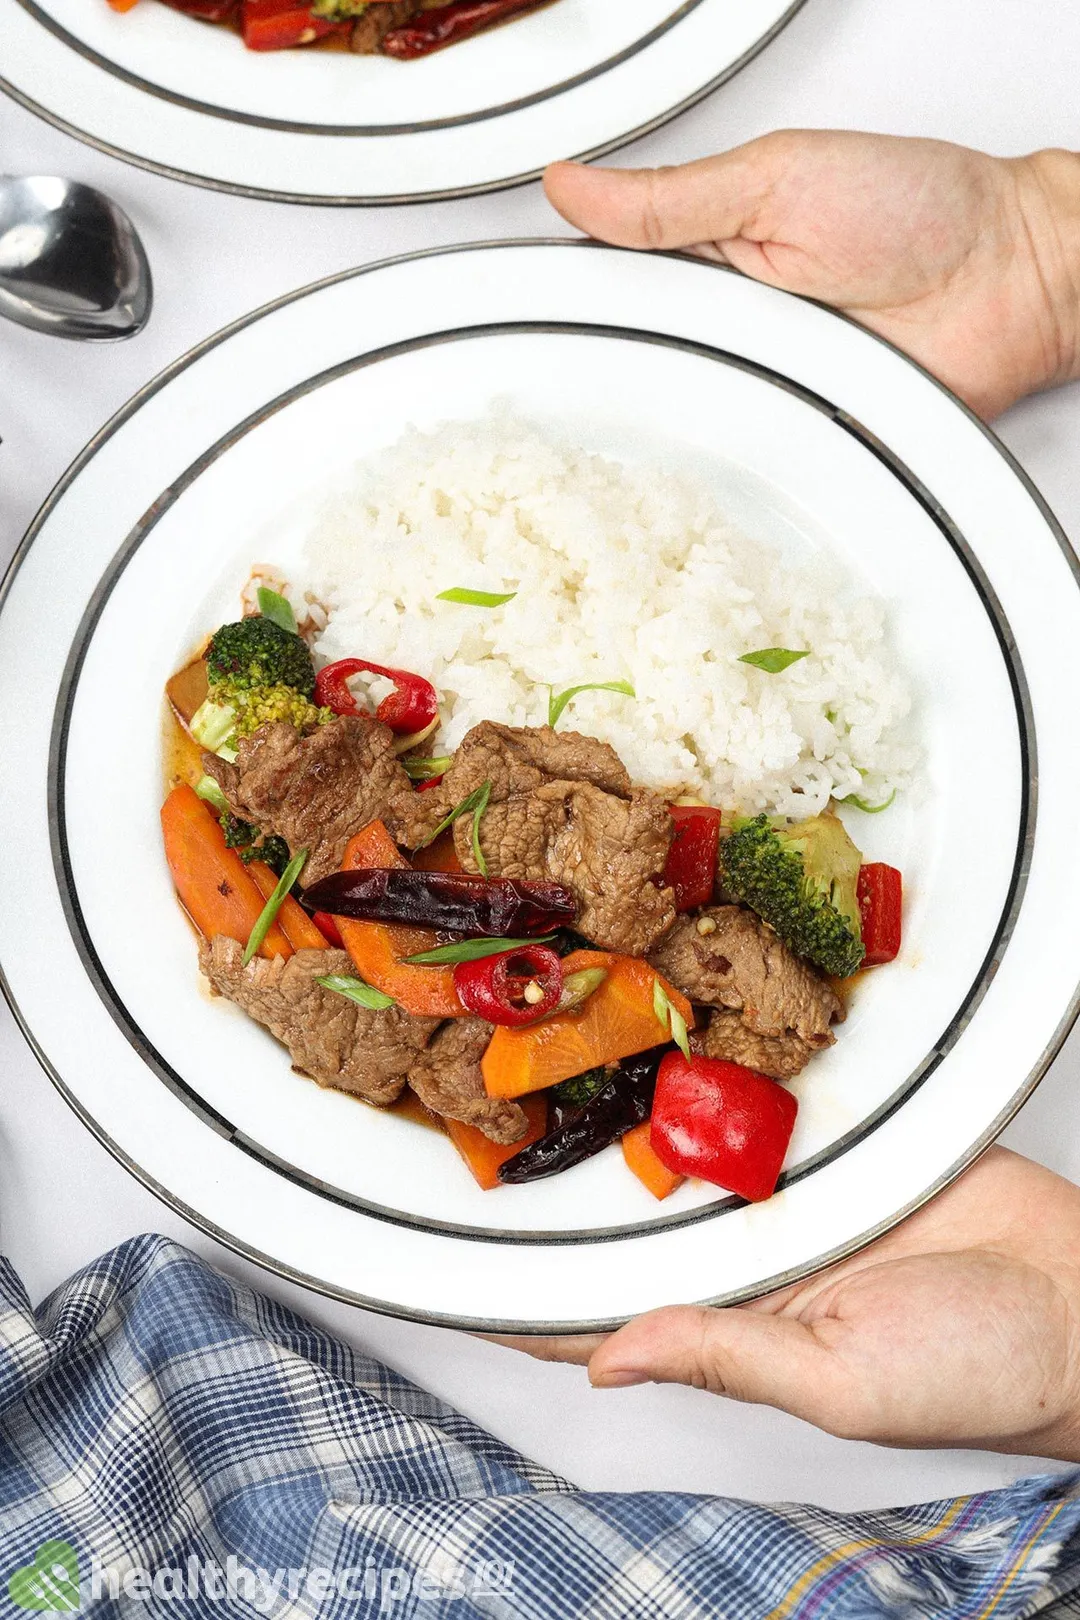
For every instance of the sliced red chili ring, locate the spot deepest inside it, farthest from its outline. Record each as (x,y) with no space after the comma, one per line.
(410,708)
(498,987)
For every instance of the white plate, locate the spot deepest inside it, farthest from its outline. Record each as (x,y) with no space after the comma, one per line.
(815,435)
(574,80)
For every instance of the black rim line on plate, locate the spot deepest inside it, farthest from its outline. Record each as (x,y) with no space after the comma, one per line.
(448,194)
(321,1286)
(297,127)
(186,1090)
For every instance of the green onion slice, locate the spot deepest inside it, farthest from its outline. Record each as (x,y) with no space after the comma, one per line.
(478,854)
(471,950)
(670,1017)
(274,606)
(269,912)
(418,770)
(556,705)
(870,809)
(208,789)
(773,659)
(459,593)
(365,995)
(476,800)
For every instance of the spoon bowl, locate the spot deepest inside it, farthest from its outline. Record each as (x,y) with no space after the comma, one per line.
(71,262)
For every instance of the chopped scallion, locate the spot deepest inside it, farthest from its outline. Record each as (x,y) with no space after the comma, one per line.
(773,659)
(870,809)
(556,705)
(365,995)
(268,914)
(419,770)
(476,800)
(471,950)
(273,606)
(670,1018)
(208,789)
(459,593)
(478,854)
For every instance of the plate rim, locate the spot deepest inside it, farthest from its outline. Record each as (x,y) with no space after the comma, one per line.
(401,199)
(323,1286)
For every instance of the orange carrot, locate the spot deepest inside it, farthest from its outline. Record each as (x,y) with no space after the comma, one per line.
(642,1160)
(215,887)
(292,919)
(379,949)
(617,1020)
(441,856)
(484,1156)
(123,5)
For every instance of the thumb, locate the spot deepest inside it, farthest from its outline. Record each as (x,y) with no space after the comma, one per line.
(771,1360)
(712,200)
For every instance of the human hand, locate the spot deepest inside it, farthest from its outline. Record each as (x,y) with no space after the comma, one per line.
(969,263)
(960,1328)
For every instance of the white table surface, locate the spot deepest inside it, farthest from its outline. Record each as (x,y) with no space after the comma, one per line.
(999,74)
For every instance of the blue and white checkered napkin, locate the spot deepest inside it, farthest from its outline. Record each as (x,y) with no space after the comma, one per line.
(174,1445)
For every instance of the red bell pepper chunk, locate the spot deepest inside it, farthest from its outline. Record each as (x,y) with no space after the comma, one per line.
(691,862)
(328,928)
(881,899)
(277,25)
(724,1123)
(411,706)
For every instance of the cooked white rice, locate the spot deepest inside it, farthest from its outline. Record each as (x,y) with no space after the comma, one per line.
(621,573)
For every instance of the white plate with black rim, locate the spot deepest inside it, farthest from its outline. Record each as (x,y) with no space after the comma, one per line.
(816,435)
(575,79)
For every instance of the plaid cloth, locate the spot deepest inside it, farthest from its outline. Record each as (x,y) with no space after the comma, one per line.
(172,1444)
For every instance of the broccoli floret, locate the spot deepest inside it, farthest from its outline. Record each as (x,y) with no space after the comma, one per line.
(256,706)
(581,1089)
(257,652)
(802,878)
(238,834)
(243,837)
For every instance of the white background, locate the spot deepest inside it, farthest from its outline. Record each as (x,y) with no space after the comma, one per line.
(998,74)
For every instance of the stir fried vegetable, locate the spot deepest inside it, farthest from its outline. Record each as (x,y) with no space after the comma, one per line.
(447,24)
(482,1155)
(642,1160)
(724,1123)
(215,887)
(451,902)
(294,922)
(881,902)
(412,707)
(691,864)
(513,989)
(616,1021)
(624,1101)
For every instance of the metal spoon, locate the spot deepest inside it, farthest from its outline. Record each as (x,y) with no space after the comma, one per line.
(71,262)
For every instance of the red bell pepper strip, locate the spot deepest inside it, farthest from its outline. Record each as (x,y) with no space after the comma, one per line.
(410,708)
(724,1123)
(881,897)
(691,864)
(445,25)
(328,928)
(495,986)
(277,25)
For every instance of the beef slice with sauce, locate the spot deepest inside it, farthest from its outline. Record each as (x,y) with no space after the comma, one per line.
(447,1079)
(330,1038)
(773,1010)
(316,791)
(370,29)
(563,808)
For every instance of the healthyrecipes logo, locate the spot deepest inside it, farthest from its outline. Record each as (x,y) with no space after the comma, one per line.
(51,1584)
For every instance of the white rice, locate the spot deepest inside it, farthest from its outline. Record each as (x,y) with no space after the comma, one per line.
(621,573)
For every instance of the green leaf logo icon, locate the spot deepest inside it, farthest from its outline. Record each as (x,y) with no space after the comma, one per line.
(51,1583)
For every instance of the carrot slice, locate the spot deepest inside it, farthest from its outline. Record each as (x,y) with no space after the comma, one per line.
(617,1020)
(441,856)
(484,1156)
(379,949)
(215,887)
(642,1160)
(292,919)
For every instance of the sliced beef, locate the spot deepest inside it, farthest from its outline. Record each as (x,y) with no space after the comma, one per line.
(727,1035)
(737,964)
(371,29)
(330,1038)
(316,791)
(562,807)
(447,1079)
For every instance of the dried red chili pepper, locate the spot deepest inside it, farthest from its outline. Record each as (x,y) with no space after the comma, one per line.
(449,902)
(445,25)
(497,987)
(410,708)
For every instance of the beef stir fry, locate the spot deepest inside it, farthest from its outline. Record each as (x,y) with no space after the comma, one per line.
(401,29)
(549,957)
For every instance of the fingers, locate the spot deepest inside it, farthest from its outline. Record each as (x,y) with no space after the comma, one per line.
(575,1348)
(712,200)
(774,1361)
